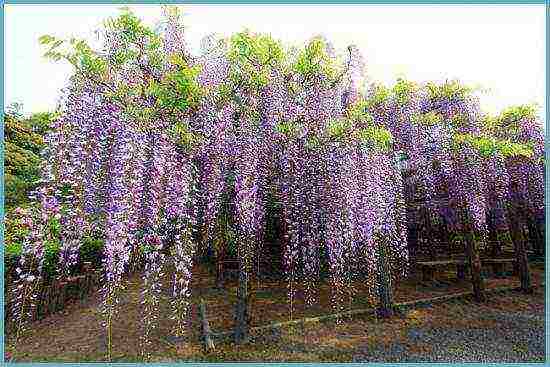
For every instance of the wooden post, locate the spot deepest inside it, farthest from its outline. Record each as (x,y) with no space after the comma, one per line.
(461,270)
(54,295)
(35,303)
(536,236)
(46,301)
(206,333)
(61,293)
(80,289)
(521,255)
(219,268)
(41,301)
(385,308)
(69,289)
(241,314)
(472,253)
(87,272)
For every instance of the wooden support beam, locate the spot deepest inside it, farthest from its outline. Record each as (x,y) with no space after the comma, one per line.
(461,271)
(385,294)
(472,252)
(206,333)
(242,308)
(521,256)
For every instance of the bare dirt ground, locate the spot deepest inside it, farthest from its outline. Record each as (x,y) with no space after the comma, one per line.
(508,327)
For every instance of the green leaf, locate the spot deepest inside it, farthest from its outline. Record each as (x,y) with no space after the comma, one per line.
(431,118)
(403,90)
(377,137)
(379,96)
(488,146)
(46,39)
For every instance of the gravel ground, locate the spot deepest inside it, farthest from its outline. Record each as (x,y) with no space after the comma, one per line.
(516,337)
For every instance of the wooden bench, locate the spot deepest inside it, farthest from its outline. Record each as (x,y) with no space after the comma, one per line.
(462,266)
(428,268)
(499,264)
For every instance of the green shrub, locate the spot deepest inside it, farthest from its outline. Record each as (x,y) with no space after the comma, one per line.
(51,259)
(21,159)
(51,255)
(12,251)
(92,251)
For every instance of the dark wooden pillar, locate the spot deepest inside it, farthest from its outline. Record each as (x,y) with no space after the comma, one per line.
(535,236)
(242,308)
(496,246)
(385,294)
(220,256)
(208,343)
(461,271)
(515,215)
(472,253)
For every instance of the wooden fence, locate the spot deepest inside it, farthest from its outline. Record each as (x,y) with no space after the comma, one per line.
(54,296)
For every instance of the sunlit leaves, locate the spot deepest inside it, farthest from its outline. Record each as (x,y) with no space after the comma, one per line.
(253,56)
(180,88)
(377,137)
(459,120)
(258,49)
(287,128)
(314,60)
(338,129)
(77,52)
(357,113)
(129,25)
(488,146)
(176,90)
(431,118)
(403,90)
(514,114)
(380,95)
(449,90)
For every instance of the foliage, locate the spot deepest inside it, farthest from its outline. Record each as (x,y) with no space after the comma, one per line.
(253,57)
(92,251)
(403,90)
(380,94)
(488,146)
(23,141)
(314,60)
(451,90)
(431,118)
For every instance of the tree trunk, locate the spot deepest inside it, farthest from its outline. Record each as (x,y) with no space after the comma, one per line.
(535,236)
(206,333)
(521,254)
(472,252)
(219,269)
(385,308)
(430,237)
(241,314)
